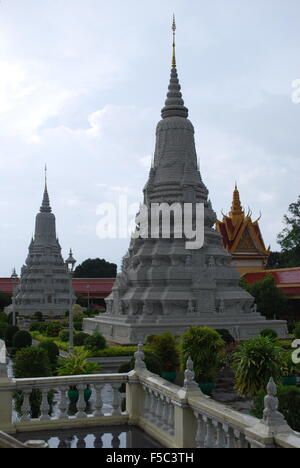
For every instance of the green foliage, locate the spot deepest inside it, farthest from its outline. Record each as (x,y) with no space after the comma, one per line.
(3,328)
(22,339)
(3,317)
(255,361)
(288,367)
(40,327)
(53,329)
(289,238)
(80,338)
(226,336)
(269,299)
(165,347)
(115,351)
(269,333)
(204,346)
(31,362)
(64,335)
(9,335)
(95,342)
(39,316)
(289,405)
(52,351)
(297,330)
(96,268)
(5,300)
(77,364)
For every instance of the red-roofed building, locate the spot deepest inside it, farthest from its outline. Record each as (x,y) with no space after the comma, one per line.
(94,288)
(242,238)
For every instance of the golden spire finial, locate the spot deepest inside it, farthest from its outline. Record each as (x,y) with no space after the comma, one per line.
(174,31)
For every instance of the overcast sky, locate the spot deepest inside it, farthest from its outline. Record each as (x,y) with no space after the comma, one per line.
(82,83)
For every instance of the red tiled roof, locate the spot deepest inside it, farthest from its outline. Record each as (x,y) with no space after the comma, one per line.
(97,286)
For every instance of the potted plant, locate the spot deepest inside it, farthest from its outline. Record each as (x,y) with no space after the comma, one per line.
(255,361)
(204,346)
(77,364)
(288,370)
(165,347)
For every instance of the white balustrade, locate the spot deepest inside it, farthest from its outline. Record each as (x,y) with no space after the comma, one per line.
(152,402)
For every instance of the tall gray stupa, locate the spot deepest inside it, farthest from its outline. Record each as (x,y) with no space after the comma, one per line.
(45,284)
(163,286)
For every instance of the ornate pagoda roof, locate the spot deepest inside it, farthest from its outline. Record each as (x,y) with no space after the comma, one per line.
(240,234)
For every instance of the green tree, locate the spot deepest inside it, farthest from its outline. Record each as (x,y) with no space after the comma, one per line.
(269,299)
(31,362)
(289,238)
(96,268)
(5,300)
(22,339)
(255,361)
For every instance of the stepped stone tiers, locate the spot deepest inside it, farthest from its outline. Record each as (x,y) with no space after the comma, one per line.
(45,281)
(163,286)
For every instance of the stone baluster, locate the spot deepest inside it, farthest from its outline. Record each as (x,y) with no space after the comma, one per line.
(116,442)
(155,408)
(151,405)
(116,403)
(146,402)
(164,414)
(26,407)
(63,404)
(210,436)
(81,443)
(230,438)
(81,405)
(98,443)
(171,424)
(159,409)
(45,407)
(243,443)
(201,431)
(99,402)
(221,437)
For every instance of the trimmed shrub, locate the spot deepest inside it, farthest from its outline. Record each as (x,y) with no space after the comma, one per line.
(9,335)
(95,342)
(39,316)
(52,351)
(297,330)
(53,329)
(78,326)
(80,339)
(226,336)
(31,362)
(64,335)
(289,405)
(255,361)
(3,327)
(268,332)
(22,339)
(164,346)
(40,327)
(204,346)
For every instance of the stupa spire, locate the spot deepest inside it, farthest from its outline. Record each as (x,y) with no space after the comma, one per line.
(236,207)
(174,105)
(46,208)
